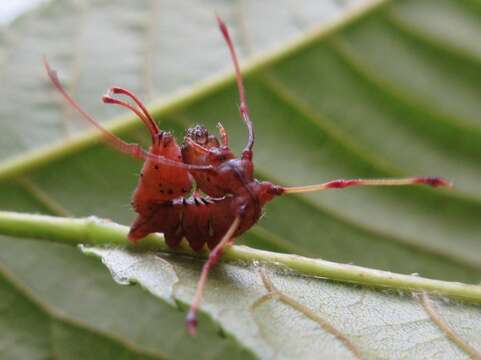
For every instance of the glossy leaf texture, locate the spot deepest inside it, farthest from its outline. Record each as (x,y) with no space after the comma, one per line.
(391,91)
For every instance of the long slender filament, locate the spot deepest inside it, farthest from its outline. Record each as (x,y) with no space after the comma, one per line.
(108,99)
(244,110)
(214,257)
(131,149)
(339,184)
(153,124)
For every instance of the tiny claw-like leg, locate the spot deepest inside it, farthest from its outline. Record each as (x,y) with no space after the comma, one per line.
(214,257)
(223,135)
(191,322)
(197,147)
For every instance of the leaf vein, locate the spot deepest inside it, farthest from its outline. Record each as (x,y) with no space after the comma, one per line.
(364,70)
(428,306)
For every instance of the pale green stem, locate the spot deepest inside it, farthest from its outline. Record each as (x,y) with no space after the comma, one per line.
(95,231)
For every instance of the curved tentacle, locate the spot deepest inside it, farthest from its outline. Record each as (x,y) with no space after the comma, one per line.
(122,91)
(131,149)
(153,129)
(244,110)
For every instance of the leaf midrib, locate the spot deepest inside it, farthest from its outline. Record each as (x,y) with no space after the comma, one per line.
(11,168)
(125,123)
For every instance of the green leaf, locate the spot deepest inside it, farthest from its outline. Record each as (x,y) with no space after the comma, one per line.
(147,46)
(236,294)
(390,90)
(57,303)
(371,324)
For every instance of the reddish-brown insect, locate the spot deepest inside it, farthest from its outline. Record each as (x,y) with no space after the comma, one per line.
(232,199)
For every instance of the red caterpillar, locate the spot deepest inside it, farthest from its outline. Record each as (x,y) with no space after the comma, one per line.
(233,199)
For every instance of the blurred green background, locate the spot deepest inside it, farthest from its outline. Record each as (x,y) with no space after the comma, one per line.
(393,91)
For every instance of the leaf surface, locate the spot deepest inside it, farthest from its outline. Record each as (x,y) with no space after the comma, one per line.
(377,324)
(391,90)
